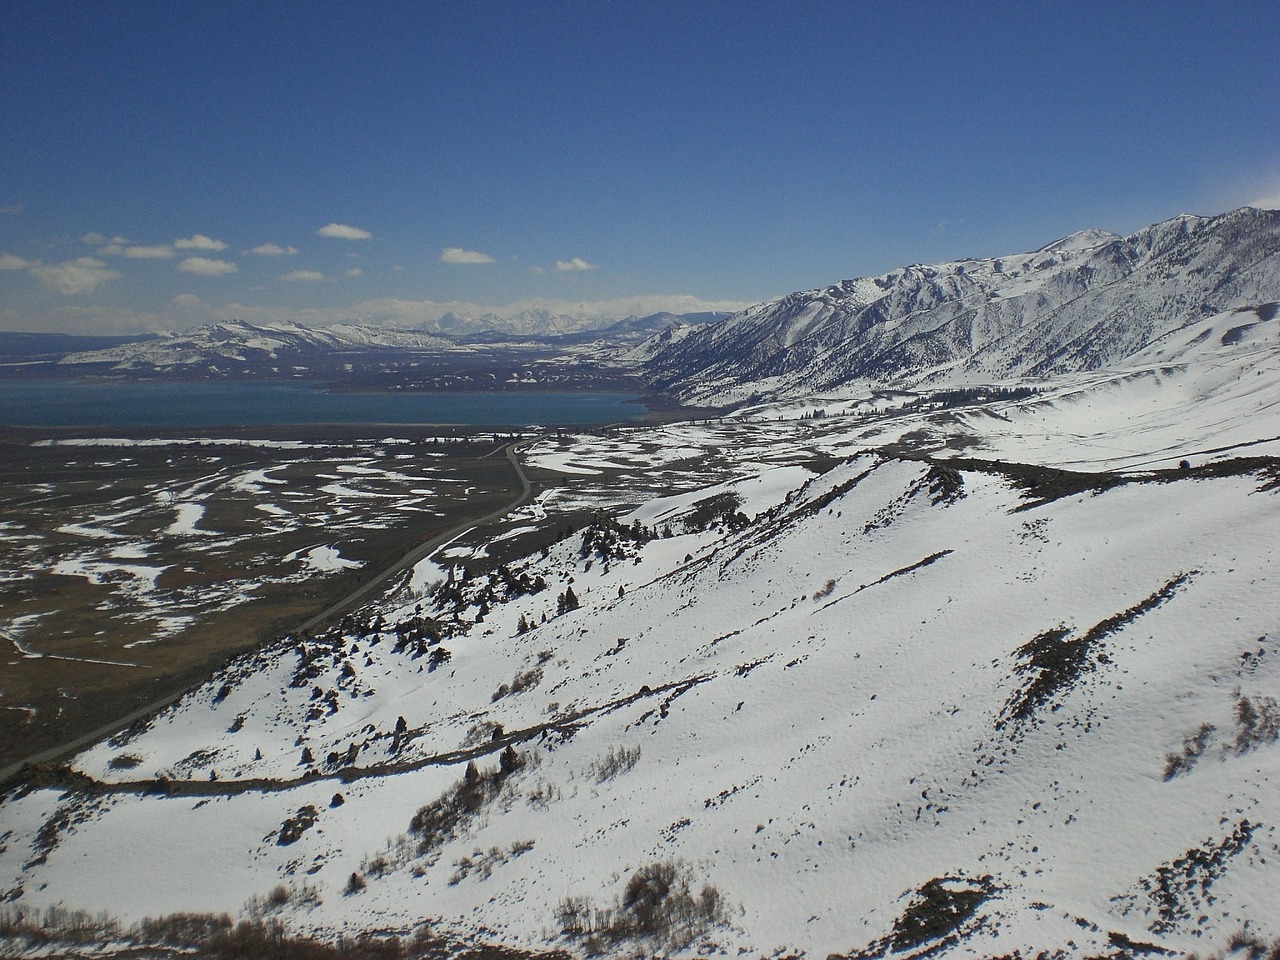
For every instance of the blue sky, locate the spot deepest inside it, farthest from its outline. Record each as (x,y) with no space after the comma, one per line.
(164,164)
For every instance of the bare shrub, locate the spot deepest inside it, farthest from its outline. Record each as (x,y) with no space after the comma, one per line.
(1258,721)
(1193,748)
(182,929)
(526,680)
(439,821)
(658,904)
(614,763)
(482,732)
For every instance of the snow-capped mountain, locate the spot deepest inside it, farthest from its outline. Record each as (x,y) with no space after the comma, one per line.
(286,348)
(892,681)
(545,323)
(1084,302)
(237,343)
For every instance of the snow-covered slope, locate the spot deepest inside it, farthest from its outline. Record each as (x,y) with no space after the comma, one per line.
(1082,303)
(865,689)
(238,342)
(216,348)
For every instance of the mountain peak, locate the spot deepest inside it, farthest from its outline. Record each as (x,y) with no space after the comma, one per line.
(1086,301)
(1080,240)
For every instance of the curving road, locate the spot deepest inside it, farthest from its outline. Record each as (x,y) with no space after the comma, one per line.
(356,597)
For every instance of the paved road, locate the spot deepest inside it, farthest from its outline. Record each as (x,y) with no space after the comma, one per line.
(356,597)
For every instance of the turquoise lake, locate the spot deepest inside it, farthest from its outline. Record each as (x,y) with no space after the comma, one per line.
(221,404)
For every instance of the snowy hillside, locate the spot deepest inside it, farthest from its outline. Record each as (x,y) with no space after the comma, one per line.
(238,345)
(1083,303)
(898,679)
(237,342)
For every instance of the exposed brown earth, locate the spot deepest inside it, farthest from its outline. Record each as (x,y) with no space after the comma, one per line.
(80,652)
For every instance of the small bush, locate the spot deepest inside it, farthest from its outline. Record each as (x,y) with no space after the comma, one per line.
(1193,749)
(658,905)
(1245,945)
(439,821)
(526,680)
(614,763)
(1258,721)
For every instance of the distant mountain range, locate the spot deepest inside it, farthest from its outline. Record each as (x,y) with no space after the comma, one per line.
(1084,302)
(884,668)
(287,349)
(544,323)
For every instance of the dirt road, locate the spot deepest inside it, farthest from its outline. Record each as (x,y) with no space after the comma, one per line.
(362,593)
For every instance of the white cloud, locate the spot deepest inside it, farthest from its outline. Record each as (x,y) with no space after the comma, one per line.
(577,263)
(160,251)
(273,250)
(394,313)
(93,239)
(305,276)
(341,231)
(205,267)
(187,310)
(81,275)
(111,250)
(199,241)
(537,271)
(9,262)
(355,272)
(458,255)
(1268,202)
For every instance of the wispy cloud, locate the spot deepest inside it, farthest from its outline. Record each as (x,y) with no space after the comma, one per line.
(342,231)
(93,239)
(1271,201)
(199,241)
(458,255)
(10,209)
(273,250)
(355,272)
(205,267)
(406,314)
(303,276)
(81,275)
(160,251)
(187,310)
(577,263)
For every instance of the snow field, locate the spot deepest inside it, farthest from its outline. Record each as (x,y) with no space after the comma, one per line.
(834,756)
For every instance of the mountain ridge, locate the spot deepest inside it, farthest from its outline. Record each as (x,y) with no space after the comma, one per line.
(1079,303)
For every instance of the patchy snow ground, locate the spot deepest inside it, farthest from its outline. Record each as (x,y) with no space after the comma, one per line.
(844,687)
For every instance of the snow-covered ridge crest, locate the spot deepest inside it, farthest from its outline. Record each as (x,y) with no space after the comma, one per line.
(237,340)
(1084,302)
